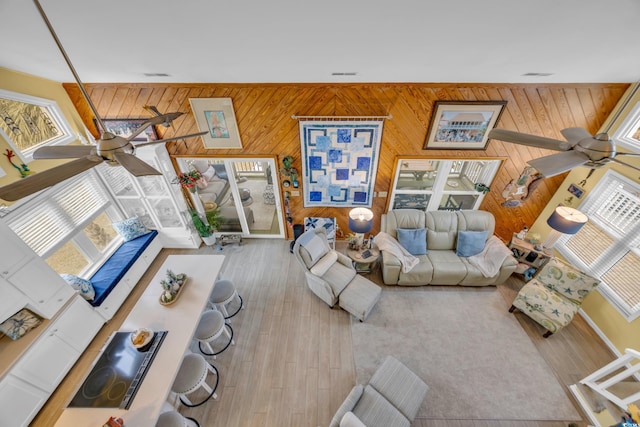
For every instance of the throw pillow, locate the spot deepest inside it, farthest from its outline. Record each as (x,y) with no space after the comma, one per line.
(19,324)
(130,228)
(324,263)
(414,240)
(209,173)
(81,285)
(470,243)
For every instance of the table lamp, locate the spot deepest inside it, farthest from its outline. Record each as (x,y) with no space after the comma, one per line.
(360,222)
(563,220)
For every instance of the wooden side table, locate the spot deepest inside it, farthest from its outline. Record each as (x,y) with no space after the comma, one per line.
(525,253)
(364,264)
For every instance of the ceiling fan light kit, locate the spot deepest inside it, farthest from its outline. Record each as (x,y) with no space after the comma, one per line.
(111,149)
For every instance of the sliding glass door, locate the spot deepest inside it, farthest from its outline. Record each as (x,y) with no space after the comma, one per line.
(243,191)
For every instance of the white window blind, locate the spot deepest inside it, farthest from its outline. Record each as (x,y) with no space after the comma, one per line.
(47,220)
(608,246)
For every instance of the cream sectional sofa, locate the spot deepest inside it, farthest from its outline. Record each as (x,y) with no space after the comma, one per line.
(440,265)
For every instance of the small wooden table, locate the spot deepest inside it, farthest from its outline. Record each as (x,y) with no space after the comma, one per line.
(364,264)
(180,320)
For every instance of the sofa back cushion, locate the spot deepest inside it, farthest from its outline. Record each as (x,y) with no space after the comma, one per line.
(442,226)
(476,221)
(402,218)
(443,229)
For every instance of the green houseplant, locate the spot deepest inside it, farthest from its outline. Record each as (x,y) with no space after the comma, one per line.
(207,227)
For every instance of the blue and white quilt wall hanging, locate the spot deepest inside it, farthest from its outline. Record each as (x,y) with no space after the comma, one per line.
(340,160)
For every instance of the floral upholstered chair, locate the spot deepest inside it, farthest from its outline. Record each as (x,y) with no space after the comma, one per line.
(554,295)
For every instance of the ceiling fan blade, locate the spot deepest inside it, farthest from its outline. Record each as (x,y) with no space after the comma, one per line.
(134,165)
(152,109)
(173,138)
(64,152)
(624,163)
(162,119)
(560,162)
(41,180)
(531,140)
(575,135)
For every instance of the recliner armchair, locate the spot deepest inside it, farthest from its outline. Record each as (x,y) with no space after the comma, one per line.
(327,271)
(391,399)
(554,295)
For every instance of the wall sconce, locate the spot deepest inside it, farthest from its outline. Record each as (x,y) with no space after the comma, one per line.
(360,222)
(563,220)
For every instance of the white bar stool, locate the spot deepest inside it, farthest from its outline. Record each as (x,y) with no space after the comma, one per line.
(192,376)
(175,419)
(211,326)
(223,294)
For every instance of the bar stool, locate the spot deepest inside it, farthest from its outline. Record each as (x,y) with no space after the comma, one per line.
(192,376)
(211,326)
(175,419)
(223,294)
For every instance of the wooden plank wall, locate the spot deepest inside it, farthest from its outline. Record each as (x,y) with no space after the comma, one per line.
(264,111)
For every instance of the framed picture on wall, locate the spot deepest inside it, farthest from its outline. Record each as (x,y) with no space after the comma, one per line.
(462,125)
(217,118)
(576,191)
(126,127)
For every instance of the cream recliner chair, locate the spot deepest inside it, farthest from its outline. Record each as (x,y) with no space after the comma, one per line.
(331,276)
(327,272)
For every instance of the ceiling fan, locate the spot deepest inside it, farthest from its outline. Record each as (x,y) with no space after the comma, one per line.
(111,149)
(580,148)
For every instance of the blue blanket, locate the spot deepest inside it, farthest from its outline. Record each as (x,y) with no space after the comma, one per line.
(108,276)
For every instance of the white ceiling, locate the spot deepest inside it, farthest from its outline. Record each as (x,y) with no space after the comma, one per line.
(229,41)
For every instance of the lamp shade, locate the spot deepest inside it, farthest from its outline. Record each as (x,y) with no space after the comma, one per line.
(567,220)
(360,220)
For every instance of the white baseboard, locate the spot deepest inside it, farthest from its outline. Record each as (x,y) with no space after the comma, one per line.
(600,333)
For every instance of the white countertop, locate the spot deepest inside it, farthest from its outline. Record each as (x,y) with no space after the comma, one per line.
(180,320)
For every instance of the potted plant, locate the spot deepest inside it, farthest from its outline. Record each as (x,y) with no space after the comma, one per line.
(188,180)
(481,188)
(206,229)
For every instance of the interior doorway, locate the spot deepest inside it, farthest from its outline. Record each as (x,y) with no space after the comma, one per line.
(243,191)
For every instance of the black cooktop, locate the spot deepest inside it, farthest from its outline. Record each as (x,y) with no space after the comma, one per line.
(118,373)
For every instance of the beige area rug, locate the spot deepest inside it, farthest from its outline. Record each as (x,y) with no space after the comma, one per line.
(475,357)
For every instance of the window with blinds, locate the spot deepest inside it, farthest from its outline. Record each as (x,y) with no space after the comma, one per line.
(608,246)
(49,219)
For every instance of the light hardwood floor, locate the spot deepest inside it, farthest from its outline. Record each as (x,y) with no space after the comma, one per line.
(292,364)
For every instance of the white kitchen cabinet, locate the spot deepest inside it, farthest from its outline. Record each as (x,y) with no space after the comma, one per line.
(78,324)
(46,290)
(47,362)
(12,300)
(14,253)
(19,401)
(56,350)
